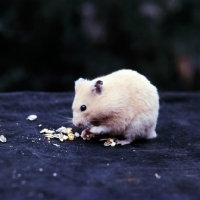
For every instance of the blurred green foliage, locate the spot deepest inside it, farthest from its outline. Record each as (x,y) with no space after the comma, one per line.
(47,44)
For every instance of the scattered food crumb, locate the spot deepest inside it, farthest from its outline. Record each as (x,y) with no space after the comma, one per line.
(54,174)
(71,136)
(57,145)
(109,142)
(2,138)
(44,130)
(157,176)
(49,136)
(76,134)
(32,117)
(47,131)
(40,169)
(66,133)
(113,144)
(40,125)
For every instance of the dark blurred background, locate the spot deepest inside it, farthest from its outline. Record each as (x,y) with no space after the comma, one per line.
(45,45)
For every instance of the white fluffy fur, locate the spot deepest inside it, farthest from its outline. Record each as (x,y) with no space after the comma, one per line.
(128,105)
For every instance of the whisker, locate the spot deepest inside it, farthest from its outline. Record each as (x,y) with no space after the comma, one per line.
(65,117)
(67,120)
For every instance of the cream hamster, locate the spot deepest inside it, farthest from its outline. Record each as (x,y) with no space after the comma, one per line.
(123,103)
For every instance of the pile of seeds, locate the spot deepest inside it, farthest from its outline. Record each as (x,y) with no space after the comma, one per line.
(61,133)
(64,133)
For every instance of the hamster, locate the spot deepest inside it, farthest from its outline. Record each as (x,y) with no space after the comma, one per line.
(123,103)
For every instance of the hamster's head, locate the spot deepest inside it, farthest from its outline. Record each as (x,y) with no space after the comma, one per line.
(85,105)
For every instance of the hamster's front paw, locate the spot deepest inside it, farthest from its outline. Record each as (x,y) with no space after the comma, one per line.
(86,134)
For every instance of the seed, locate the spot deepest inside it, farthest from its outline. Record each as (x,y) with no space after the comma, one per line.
(109,142)
(157,176)
(113,144)
(32,117)
(57,145)
(54,174)
(63,129)
(2,138)
(49,136)
(106,143)
(50,132)
(65,137)
(71,136)
(44,130)
(76,134)
(47,131)
(61,138)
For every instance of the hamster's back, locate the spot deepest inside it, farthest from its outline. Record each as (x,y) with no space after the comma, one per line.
(129,83)
(130,89)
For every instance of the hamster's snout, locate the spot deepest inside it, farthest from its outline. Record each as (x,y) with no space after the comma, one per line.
(77,123)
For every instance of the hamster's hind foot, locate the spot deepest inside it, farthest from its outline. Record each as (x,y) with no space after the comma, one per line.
(151,135)
(123,142)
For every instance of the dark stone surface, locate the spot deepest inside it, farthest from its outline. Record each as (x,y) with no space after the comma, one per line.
(34,168)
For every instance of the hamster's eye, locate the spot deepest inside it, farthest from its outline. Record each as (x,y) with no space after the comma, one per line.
(83,108)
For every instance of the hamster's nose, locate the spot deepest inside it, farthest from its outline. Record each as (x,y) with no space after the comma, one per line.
(76,123)
(79,124)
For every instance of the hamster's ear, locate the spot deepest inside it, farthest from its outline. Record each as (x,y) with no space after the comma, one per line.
(97,87)
(80,80)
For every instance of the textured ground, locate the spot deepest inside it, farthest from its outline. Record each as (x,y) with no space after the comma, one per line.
(167,167)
